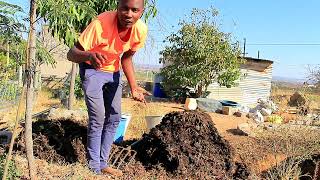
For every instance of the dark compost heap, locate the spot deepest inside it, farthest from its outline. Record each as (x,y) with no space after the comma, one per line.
(187,144)
(184,145)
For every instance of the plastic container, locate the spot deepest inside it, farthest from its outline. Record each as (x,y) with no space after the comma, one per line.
(190,104)
(229,103)
(157,88)
(152,121)
(158,91)
(122,128)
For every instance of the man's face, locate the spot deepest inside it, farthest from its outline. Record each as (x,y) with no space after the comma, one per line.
(129,11)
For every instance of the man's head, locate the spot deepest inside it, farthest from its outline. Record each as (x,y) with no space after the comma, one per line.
(129,11)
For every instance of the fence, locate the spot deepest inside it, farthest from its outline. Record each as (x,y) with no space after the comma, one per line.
(9,94)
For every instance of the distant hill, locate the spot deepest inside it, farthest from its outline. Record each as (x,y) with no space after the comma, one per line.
(287,82)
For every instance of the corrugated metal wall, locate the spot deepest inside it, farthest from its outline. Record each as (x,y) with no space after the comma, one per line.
(254,85)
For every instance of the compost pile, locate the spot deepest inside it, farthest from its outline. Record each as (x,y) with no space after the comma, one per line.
(187,144)
(59,141)
(184,145)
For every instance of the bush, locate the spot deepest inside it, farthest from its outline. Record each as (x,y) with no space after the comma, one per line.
(198,55)
(78,92)
(13,172)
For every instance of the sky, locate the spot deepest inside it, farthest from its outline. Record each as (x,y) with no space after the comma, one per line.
(286,32)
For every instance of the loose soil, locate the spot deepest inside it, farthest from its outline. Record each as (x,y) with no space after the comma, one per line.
(59,141)
(187,145)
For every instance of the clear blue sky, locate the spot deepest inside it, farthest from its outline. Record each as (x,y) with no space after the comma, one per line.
(263,21)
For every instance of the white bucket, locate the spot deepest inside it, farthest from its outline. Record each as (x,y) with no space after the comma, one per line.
(190,104)
(152,121)
(128,117)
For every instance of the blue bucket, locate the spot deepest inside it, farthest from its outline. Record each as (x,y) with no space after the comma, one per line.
(158,91)
(121,130)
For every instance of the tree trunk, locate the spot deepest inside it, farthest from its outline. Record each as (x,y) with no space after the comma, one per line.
(30,89)
(72,84)
(20,76)
(8,54)
(37,78)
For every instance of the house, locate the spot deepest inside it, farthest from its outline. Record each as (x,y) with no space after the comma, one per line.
(59,52)
(253,85)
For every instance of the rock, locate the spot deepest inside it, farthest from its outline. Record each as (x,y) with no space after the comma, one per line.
(300,122)
(77,115)
(209,105)
(266,112)
(258,117)
(238,114)
(267,104)
(270,127)
(244,128)
(297,100)
(229,110)
(244,109)
(247,129)
(250,115)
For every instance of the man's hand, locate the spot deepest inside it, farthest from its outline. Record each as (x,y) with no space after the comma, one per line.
(139,93)
(97,60)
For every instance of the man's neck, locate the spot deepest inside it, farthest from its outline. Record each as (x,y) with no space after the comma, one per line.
(122,29)
(124,33)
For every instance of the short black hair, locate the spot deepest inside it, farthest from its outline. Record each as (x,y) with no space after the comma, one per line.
(122,0)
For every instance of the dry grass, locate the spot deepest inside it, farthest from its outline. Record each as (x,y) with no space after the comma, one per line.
(283,148)
(281,96)
(138,111)
(49,171)
(261,153)
(43,101)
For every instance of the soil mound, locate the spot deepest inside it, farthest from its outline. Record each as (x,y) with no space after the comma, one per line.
(187,144)
(59,141)
(184,145)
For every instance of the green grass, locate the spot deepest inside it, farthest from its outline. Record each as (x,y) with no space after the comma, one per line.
(13,172)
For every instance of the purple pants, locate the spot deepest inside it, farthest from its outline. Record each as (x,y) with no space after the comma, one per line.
(103,99)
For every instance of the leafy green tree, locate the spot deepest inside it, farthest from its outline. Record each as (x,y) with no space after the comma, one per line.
(10,25)
(68,18)
(198,55)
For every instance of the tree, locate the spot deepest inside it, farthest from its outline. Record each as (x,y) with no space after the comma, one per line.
(314,75)
(198,55)
(10,28)
(31,59)
(68,18)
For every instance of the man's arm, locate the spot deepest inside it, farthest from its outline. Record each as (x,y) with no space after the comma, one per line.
(128,69)
(77,54)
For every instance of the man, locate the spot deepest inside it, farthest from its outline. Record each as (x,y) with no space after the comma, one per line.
(98,54)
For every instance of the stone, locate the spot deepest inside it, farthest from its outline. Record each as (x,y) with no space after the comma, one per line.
(297,99)
(266,112)
(244,128)
(229,110)
(238,114)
